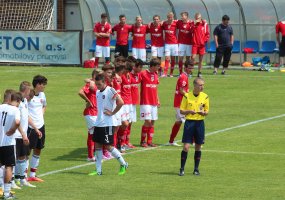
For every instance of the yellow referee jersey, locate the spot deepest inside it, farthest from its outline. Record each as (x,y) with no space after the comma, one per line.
(197,104)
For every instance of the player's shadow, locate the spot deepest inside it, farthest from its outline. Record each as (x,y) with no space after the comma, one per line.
(165,173)
(78,154)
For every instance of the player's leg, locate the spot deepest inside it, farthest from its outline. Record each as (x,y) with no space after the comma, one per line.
(98,138)
(282,52)
(135,53)
(199,136)
(176,127)
(200,65)
(181,53)
(125,50)
(98,54)
(90,120)
(227,56)
(150,134)
(144,115)
(133,118)
(218,59)
(174,54)
(118,51)
(106,54)
(154,52)
(167,59)
(142,54)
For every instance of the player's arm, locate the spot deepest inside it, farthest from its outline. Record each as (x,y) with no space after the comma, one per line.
(206,107)
(81,93)
(277,34)
(13,128)
(44,109)
(24,135)
(119,104)
(31,123)
(183,107)
(232,37)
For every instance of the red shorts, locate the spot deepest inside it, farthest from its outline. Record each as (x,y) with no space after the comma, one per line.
(200,50)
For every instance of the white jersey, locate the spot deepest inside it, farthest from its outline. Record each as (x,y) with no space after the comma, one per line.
(8,116)
(35,107)
(106,100)
(23,107)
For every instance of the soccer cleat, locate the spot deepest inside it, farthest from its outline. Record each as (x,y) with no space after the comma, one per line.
(17,181)
(173,144)
(35,179)
(93,173)
(196,172)
(25,183)
(214,72)
(131,146)
(123,149)
(10,196)
(199,74)
(181,172)
(223,73)
(126,147)
(15,186)
(144,144)
(171,75)
(91,159)
(152,145)
(123,169)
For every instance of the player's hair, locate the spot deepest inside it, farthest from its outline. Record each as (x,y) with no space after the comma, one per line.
(104,15)
(154,16)
(119,68)
(16,96)
(39,79)
(107,67)
(139,62)
(131,59)
(122,16)
(120,59)
(184,13)
(225,18)
(138,17)
(198,14)
(154,62)
(129,66)
(24,85)
(170,13)
(195,82)
(100,77)
(96,72)
(7,95)
(189,63)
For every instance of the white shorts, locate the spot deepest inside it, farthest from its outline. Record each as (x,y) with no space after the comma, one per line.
(139,53)
(90,121)
(148,112)
(102,51)
(118,118)
(126,110)
(133,114)
(179,116)
(157,51)
(171,49)
(184,50)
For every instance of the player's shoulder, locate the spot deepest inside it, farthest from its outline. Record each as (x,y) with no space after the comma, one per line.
(203,94)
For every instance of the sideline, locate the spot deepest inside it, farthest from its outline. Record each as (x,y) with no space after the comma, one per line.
(148,149)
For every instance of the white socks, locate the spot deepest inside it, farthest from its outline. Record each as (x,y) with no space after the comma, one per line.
(116,154)
(99,155)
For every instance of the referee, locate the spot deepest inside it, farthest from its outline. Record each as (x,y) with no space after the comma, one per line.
(195,106)
(224,39)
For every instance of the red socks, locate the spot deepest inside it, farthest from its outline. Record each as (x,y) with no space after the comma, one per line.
(180,64)
(166,67)
(90,146)
(175,130)
(172,66)
(122,136)
(128,134)
(96,62)
(144,133)
(150,135)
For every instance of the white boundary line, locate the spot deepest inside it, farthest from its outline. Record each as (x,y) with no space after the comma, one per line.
(147,149)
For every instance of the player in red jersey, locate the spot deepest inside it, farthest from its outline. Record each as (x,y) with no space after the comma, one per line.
(200,37)
(102,31)
(171,43)
(139,31)
(182,87)
(149,102)
(88,93)
(122,30)
(280,28)
(184,39)
(156,35)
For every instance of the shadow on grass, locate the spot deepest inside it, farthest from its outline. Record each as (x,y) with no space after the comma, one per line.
(79,154)
(165,173)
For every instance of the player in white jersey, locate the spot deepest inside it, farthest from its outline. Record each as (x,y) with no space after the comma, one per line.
(22,141)
(108,104)
(37,107)
(9,122)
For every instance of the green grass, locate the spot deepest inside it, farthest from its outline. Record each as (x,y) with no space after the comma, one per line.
(242,163)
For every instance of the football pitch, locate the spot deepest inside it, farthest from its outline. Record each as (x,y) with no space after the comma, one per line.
(243,157)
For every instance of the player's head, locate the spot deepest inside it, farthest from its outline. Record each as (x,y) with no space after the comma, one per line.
(25,88)
(7,95)
(122,19)
(104,17)
(119,69)
(154,64)
(120,60)
(108,70)
(16,98)
(198,17)
(39,83)
(188,66)
(95,72)
(138,66)
(100,81)
(156,19)
(31,95)
(184,16)
(138,20)
(170,16)
(225,19)
(198,84)
(129,66)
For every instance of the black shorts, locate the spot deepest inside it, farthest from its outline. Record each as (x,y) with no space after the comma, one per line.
(122,50)
(282,47)
(7,155)
(104,135)
(194,131)
(21,148)
(35,141)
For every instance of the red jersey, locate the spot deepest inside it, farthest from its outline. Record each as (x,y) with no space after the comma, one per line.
(170,32)
(117,81)
(200,34)
(91,95)
(139,33)
(182,82)
(126,89)
(122,33)
(135,81)
(149,83)
(280,27)
(102,28)
(184,32)
(156,35)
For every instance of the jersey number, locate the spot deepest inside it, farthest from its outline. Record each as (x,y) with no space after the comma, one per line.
(3,118)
